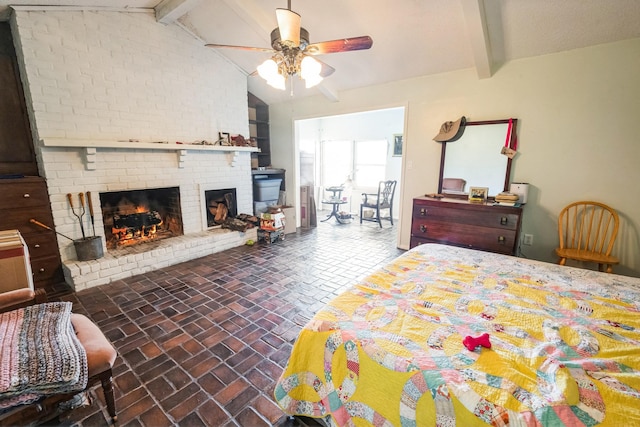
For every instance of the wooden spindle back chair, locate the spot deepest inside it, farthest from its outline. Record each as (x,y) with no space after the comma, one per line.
(587,231)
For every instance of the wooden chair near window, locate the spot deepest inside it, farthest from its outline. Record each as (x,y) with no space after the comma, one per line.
(587,231)
(376,202)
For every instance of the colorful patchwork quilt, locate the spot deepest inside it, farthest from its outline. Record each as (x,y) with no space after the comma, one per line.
(564,346)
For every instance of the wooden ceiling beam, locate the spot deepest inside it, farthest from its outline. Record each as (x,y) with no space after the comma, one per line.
(476,20)
(168,11)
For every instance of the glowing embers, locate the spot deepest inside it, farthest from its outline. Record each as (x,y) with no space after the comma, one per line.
(132,228)
(138,216)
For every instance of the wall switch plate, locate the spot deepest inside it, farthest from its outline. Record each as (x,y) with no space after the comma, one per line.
(528,239)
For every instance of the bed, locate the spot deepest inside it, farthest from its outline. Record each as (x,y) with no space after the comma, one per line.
(564,346)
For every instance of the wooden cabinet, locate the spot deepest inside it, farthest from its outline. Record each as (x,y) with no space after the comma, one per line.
(24,195)
(23,199)
(259,129)
(460,223)
(16,146)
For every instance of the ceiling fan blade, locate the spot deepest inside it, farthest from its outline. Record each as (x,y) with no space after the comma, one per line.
(341,45)
(326,69)
(259,49)
(289,26)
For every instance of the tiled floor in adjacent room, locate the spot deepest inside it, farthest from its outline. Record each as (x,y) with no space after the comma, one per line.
(203,342)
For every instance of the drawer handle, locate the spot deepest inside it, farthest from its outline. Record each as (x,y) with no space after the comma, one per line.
(36,246)
(504,220)
(423,212)
(42,270)
(502,240)
(26,195)
(423,228)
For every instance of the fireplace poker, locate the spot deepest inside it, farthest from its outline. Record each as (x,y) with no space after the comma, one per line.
(90,203)
(38,223)
(81,210)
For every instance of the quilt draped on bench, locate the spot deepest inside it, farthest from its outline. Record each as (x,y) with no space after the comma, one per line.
(40,354)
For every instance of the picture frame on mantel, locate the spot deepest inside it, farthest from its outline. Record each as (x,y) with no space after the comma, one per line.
(478,194)
(397,145)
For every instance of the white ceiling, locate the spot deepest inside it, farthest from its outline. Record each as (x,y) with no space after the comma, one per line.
(411,38)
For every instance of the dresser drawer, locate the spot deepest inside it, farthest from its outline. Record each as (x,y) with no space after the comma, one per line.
(41,244)
(18,218)
(480,217)
(470,236)
(46,271)
(25,193)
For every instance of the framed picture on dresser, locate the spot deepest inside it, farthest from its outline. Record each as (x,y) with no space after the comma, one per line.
(478,194)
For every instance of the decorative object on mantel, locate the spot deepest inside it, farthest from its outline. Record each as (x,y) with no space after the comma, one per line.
(292,53)
(451,131)
(224,138)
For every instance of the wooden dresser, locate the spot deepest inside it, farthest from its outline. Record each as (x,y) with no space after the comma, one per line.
(460,223)
(23,199)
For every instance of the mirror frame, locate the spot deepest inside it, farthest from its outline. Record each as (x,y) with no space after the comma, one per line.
(512,144)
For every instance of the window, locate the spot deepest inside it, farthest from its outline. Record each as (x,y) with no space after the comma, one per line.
(363,161)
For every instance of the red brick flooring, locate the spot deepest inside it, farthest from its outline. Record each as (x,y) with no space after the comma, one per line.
(202,343)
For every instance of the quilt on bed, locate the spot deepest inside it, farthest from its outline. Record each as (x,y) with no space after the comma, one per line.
(388,352)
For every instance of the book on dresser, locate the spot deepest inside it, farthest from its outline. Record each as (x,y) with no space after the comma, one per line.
(482,226)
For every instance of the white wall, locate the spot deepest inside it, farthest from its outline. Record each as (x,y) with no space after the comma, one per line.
(107,75)
(577,114)
(122,75)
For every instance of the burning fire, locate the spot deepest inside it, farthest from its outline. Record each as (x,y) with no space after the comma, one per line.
(136,228)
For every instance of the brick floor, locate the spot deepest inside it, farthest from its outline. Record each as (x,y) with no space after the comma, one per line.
(202,343)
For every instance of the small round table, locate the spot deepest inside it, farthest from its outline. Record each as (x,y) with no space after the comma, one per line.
(335,200)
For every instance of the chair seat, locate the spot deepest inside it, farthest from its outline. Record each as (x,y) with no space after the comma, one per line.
(100,353)
(373,205)
(580,255)
(100,359)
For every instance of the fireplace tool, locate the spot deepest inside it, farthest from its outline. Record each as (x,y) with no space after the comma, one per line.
(39,224)
(90,203)
(81,210)
(87,248)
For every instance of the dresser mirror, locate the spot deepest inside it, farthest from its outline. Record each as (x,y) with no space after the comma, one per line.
(475,160)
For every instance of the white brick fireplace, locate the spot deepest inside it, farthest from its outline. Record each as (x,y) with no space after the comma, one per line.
(94,78)
(74,170)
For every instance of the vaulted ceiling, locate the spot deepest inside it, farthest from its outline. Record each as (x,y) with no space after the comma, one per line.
(411,38)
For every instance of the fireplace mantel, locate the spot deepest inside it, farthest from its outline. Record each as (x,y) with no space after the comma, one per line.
(90,147)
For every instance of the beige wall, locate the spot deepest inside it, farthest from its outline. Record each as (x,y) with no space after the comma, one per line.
(578,136)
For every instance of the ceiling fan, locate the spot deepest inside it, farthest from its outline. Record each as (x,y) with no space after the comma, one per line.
(293,54)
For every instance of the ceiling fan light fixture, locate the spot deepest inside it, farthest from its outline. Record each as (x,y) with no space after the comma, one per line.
(278,82)
(310,71)
(291,52)
(268,70)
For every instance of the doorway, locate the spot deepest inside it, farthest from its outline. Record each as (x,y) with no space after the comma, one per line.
(353,150)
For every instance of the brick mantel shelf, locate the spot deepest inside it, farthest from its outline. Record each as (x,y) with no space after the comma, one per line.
(90,146)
